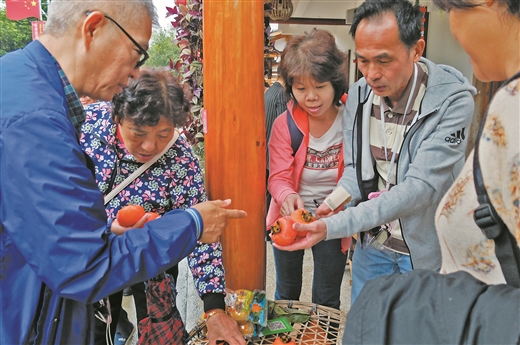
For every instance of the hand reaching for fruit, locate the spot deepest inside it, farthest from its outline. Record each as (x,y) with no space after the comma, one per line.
(292,202)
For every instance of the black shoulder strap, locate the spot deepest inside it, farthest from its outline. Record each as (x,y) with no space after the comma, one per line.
(486,217)
(365,186)
(294,131)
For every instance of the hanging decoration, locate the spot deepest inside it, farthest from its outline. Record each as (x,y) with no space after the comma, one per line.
(281,10)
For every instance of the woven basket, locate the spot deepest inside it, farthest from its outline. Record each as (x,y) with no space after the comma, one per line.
(324,327)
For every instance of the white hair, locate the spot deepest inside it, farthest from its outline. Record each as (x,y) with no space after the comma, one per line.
(62,14)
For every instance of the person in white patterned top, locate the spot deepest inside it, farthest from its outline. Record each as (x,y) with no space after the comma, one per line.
(476,297)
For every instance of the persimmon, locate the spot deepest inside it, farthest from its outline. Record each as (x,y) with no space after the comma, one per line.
(284,340)
(152,216)
(302,216)
(129,215)
(282,232)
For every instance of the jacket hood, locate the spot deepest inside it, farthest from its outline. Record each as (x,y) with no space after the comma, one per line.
(443,82)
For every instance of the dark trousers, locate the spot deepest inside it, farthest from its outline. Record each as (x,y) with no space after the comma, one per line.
(329,267)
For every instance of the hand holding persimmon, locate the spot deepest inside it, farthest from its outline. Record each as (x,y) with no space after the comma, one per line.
(129,215)
(282,232)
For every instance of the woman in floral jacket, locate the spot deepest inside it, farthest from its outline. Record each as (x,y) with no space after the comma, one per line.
(121,137)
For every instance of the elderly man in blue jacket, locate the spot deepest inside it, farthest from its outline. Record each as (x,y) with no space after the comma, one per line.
(57,251)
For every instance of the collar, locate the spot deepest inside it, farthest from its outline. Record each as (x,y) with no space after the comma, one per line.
(76,113)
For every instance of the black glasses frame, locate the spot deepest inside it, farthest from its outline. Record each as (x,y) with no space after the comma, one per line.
(141,49)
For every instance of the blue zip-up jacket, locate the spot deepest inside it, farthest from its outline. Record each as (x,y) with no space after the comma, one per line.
(57,253)
(429,161)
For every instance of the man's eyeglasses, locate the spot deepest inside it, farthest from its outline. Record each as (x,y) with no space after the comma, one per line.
(143,52)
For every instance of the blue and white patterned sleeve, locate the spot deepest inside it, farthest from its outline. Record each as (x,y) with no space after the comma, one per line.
(206,260)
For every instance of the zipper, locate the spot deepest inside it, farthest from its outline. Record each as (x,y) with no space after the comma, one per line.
(411,131)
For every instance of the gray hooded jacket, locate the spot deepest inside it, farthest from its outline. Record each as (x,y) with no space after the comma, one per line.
(431,157)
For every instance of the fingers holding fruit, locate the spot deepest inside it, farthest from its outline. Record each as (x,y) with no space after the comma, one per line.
(131,217)
(282,231)
(302,216)
(152,216)
(148,217)
(291,203)
(317,232)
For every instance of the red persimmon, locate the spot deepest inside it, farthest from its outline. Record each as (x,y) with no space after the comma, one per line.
(282,232)
(304,217)
(284,340)
(152,216)
(129,215)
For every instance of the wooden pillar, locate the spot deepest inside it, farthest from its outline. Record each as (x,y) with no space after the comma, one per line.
(235,139)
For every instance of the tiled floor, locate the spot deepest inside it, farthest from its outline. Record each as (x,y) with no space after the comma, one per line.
(190,305)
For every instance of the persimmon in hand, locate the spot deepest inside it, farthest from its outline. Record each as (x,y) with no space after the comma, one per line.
(282,232)
(152,216)
(302,216)
(129,215)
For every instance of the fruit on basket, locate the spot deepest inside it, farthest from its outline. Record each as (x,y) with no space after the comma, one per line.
(284,340)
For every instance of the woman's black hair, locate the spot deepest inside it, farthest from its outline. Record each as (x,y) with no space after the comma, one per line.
(154,94)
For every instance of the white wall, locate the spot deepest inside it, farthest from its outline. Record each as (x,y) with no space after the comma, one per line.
(442,48)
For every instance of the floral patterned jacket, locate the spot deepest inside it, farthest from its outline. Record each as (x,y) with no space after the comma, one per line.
(464,246)
(175,181)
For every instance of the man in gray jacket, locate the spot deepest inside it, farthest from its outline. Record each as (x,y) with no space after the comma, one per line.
(405,127)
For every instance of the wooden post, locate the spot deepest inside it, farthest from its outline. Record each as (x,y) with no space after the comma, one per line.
(235,139)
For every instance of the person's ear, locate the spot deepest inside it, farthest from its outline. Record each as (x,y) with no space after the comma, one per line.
(91,25)
(418,49)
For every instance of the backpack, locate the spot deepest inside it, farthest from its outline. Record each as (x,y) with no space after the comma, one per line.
(294,131)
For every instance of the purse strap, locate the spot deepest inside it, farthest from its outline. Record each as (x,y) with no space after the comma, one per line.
(141,169)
